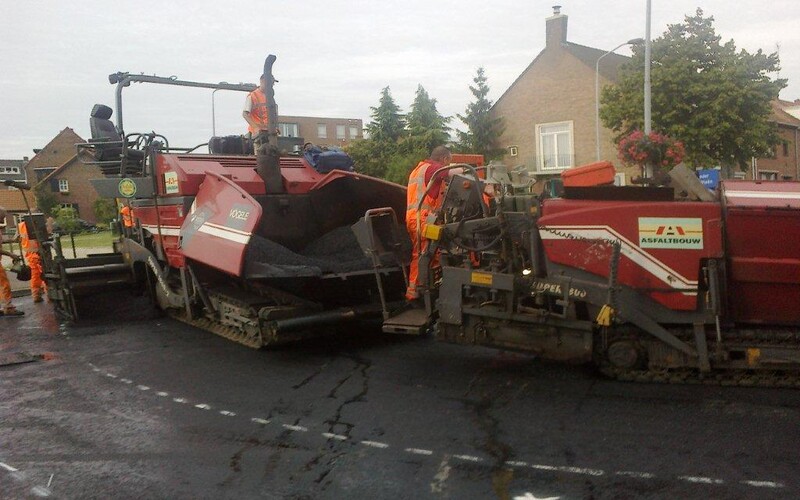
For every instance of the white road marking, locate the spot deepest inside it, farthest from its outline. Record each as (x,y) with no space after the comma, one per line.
(516,463)
(40,491)
(8,467)
(442,474)
(419,451)
(444,468)
(531,496)
(701,479)
(764,484)
(639,475)
(571,470)
(375,444)
(30,327)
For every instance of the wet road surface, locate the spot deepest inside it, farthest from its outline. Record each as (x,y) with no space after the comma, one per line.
(132,405)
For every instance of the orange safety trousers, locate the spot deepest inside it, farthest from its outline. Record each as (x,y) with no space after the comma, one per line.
(38,286)
(5,290)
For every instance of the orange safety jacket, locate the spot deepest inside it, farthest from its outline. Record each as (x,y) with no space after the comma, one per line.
(127,216)
(416,190)
(258,110)
(28,245)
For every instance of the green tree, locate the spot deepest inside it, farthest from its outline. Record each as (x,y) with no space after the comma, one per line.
(705,93)
(482,130)
(426,127)
(67,219)
(387,123)
(105,210)
(371,157)
(46,200)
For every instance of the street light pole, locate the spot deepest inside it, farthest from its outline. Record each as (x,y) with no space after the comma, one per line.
(647,44)
(597,92)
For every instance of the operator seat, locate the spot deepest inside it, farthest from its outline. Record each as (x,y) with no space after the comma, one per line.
(104,131)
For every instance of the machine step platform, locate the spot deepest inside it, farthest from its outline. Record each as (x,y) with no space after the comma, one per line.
(409,322)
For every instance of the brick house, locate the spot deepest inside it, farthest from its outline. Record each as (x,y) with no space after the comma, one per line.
(322,131)
(549,110)
(60,149)
(783,164)
(70,182)
(13,170)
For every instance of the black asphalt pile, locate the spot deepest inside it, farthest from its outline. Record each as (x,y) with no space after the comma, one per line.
(335,252)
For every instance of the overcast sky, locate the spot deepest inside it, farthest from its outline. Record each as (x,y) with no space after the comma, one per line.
(334,56)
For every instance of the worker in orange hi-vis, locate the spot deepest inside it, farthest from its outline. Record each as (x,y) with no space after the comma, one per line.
(255,112)
(416,213)
(126,213)
(30,247)
(6,308)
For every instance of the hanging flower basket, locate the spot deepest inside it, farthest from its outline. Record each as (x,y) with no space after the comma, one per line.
(656,150)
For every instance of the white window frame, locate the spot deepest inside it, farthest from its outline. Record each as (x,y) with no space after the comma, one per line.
(322,130)
(289,129)
(619,179)
(513,151)
(768,175)
(540,149)
(343,135)
(353,131)
(63,186)
(9,170)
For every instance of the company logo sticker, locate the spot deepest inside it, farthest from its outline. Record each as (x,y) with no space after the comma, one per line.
(170,182)
(126,188)
(671,232)
(238,215)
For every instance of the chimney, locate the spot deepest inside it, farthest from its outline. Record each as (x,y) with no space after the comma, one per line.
(24,158)
(556,28)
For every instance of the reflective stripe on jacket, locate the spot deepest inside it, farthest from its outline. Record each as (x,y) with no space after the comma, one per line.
(415,192)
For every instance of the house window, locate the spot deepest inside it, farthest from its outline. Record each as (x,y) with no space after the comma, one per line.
(785,148)
(766,175)
(322,131)
(9,170)
(554,141)
(340,132)
(353,132)
(63,186)
(513,151)
(42,172)
(288,129)
(739,176)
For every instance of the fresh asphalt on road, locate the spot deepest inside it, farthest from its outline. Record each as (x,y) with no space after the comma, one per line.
(132,405)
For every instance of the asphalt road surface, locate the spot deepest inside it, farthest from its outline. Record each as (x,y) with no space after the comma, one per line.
(132,405)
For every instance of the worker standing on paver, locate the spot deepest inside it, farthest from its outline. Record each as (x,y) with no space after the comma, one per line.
(126,214)
(30,248)
(8,309)
(416,217)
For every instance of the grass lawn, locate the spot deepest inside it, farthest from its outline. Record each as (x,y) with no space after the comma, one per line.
(88,240)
